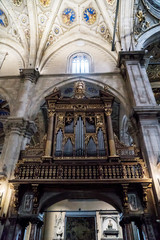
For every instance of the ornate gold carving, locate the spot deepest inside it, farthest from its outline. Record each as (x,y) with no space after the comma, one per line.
(79,89)
(51,113)
(108,111)
(125,198)
(91,135)
(60,122)
(16,198)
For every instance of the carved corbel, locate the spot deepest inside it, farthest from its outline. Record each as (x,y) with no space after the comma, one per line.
(125,198)
(145,188)
(15,198)
(108,111)
(35,198)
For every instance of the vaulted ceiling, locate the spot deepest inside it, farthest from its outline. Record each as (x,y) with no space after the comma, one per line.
(44,33)
(35,30)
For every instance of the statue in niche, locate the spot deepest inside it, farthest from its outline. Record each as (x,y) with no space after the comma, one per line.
(132,202)
(59,226)
(28,202)
(110,224)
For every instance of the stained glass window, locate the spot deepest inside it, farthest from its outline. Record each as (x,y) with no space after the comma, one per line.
(80,63)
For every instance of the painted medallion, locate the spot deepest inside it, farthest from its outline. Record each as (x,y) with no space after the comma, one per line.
(17,2)
(56,30)
(68,16)
(89,15)
(102,29)
(3,19)
(45,3)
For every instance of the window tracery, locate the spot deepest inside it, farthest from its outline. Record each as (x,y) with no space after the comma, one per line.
(80,63)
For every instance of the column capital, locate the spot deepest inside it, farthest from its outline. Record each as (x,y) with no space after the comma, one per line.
(14,124)
(146,110)
(29,74)
(51,112)
(108,111)
(130,56)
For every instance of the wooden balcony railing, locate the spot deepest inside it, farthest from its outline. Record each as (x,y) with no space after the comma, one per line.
(79,172)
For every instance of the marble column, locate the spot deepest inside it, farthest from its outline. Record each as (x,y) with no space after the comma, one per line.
(14,131)
(35,228)
(33,231)
(15,229)
(28,80)
(144,110)
(147,228)
(127,229)
(112,146)
(49,142)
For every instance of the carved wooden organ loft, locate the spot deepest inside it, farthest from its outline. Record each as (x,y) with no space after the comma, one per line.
(80,143)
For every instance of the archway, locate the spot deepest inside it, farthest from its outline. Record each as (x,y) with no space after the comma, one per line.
(81,219)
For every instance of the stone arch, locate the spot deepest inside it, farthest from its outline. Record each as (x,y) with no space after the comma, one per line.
(76,37)
(112,199)
(121,96)
(147,38)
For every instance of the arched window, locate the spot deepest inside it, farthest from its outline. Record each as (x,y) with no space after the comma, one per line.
(80,63)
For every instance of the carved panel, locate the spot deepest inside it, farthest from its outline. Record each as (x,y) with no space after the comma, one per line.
(140,87)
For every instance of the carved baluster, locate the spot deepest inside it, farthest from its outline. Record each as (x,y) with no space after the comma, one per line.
(117,172)
(109,172)
(90,172)
(86,172)
(114,171)
(94,172)
(121,172)
(78,173)
(23,171)
(135,171)
(50,172)
(124,171)
(54,172)
(73,172)
(129,171)
(65,172)
(45,172)
(69,172)
(27,171)
(105,172)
